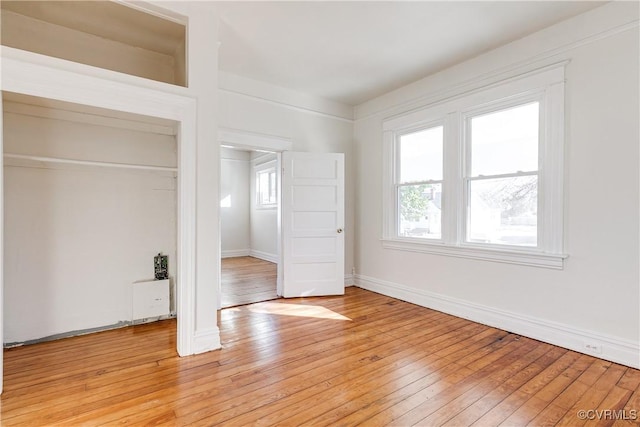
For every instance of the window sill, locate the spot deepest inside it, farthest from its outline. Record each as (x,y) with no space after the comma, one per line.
(532,259)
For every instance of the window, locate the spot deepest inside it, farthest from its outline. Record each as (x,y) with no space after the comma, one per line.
(419,183)
(266,188)
(501,181)
(480,175)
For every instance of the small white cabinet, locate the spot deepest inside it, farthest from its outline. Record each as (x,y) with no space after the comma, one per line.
(150,299)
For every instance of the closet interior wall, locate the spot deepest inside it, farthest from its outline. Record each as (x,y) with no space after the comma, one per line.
(89,200)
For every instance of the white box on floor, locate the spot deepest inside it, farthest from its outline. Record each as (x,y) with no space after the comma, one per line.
(150,299)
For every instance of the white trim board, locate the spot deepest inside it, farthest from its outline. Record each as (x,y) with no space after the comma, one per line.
(234,84)
(264,256)
(251,140)
(233,253)
(287,105)
(611,348)
(92,118)
(348,280)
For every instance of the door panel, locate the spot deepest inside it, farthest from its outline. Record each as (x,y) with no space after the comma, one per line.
(312,224)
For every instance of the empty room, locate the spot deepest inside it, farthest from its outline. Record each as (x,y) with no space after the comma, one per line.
(320,213)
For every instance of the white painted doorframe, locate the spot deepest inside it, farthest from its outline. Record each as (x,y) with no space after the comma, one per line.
(255,141)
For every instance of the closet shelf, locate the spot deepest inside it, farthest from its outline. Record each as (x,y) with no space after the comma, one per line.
(90,163)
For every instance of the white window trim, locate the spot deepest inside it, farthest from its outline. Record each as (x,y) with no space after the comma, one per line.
(545,86)
(257,169)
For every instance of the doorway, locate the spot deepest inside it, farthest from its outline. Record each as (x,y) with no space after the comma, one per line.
(244,150)
(310,214)
(249,200)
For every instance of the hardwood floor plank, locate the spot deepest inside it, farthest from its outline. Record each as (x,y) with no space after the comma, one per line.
(453,401)
(409,407)
(594,396)
(482,406)
(318,376)
(631,415)
(247,280)
(339,415)
(361,358)
(378,376)
(538,403)
(297,351)
(630,380)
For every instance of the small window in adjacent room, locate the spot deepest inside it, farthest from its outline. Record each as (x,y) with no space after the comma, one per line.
(479,175)
(266,188)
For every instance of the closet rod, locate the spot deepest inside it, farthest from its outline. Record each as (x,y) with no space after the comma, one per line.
(89,163)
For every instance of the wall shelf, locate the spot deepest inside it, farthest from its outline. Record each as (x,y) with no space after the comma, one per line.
(100,34)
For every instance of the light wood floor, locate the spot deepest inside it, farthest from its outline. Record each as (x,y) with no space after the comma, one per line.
(246,280)
(337,361)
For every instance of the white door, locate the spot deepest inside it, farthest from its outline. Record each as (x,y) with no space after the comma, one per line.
(312,224)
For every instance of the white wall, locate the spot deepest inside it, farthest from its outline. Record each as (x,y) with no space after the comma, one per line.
(76,237)
(264,221)
(595,298)
(312,124)
(235,233)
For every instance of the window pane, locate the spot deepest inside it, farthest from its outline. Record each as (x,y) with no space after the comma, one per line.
(421,211)
(263,187)
(505,141)
(504,211)
(272,187)
(421,155)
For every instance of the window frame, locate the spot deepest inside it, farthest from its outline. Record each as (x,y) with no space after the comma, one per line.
(544,86)
(397,171)
(266,168)
(467,177)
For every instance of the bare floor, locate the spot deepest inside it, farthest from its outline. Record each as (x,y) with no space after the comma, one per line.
(358,359)
(247,280)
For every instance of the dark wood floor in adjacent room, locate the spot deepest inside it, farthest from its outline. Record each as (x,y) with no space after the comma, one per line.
(361,358)
(247,280)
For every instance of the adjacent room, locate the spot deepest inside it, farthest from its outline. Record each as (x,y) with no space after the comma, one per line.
(328,213)
(248,226)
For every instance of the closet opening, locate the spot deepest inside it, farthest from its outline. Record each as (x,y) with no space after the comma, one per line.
(90,197)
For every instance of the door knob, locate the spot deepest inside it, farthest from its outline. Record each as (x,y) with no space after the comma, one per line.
(339,230)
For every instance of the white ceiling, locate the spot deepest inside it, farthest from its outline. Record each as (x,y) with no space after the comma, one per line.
(354,51)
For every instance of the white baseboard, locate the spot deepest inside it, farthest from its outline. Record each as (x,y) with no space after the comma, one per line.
(235,253)
(206,340)
(264,255)
(348,280)
(610,348)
